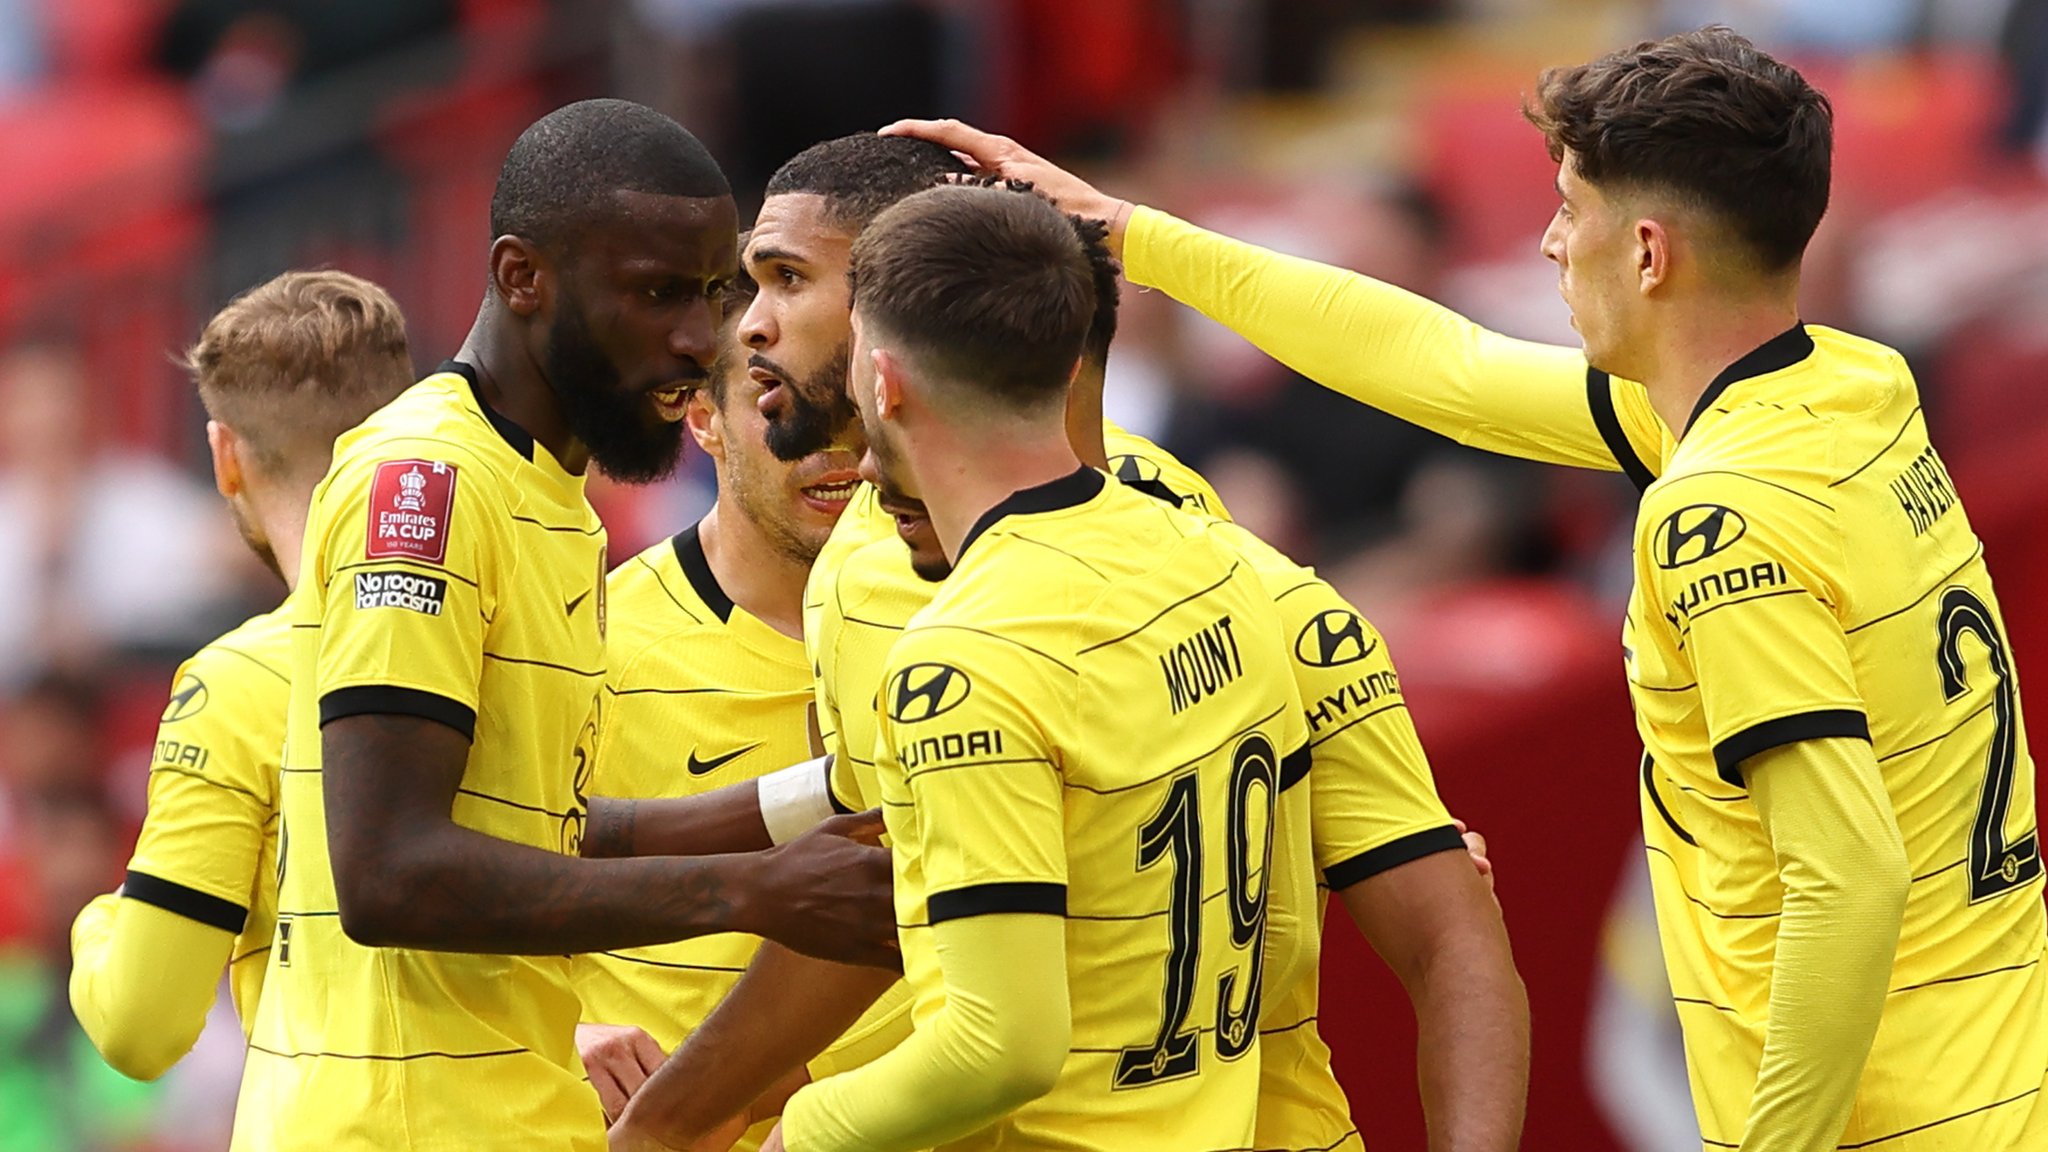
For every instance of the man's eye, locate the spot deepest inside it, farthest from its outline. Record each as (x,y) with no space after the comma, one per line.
(790,277)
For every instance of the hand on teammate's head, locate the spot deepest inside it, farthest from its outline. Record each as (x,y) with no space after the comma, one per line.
(1003,157)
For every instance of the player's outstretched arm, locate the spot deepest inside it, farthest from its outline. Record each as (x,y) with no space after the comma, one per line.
(1378,344)
(1843,865)
(1434,921)
(406,875)
(742,1062)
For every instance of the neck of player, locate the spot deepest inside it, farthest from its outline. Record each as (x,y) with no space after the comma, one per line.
(513,383)
(282,516)
(1695,342)
(967,474)
(759,577)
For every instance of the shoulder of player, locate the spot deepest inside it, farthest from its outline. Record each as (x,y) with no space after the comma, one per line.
(258,649)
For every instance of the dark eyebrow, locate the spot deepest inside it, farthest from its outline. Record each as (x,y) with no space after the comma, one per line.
(764,255)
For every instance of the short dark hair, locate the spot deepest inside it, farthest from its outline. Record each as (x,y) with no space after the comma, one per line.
(1094,236)
(1705,115)
(862,174)
(986,287)
(562,169)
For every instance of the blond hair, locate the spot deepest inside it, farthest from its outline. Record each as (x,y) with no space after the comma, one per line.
(293,363)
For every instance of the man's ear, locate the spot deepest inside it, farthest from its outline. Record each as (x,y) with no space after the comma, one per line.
(518,274)
(889,383)
(225,448)
(1654,244)
(706,423)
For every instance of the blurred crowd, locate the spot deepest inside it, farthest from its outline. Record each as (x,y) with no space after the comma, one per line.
(165,154)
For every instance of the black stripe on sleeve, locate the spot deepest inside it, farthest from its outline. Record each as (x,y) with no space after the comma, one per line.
(391,700)
(1818,725)
(1600,398)
(190,903)
(1392,854)
(832,794)
(984,899)
(1294,769)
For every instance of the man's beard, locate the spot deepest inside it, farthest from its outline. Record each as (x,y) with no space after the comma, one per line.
(819,409)
(618,426)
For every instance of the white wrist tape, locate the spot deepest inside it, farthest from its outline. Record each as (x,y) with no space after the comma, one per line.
(796,799)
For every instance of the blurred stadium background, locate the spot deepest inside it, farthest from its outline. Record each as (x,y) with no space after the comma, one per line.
(157,156)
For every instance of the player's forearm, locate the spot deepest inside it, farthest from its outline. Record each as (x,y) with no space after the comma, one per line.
(709,824)
(450,888)
(784,1011)
(1434,923)
(1376,343)
(142,982)
(1843,866)
(997,1044)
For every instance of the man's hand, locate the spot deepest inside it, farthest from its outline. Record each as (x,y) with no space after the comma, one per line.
(619,1059)
(1001,156)
(774,1141)
(1475,846)
(828,893)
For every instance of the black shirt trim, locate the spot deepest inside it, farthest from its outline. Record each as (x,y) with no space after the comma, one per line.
(1600,398)
(1294,768)
(391,700)
(697,569)
(984,899)
(190,903)
(1774,355)
(1392,854)
(1076,487)
(519,438)
(1817,725)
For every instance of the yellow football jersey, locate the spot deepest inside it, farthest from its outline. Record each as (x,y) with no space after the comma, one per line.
(208,846)
(698,694)
(1081,613)
(454,571)
(1804,568)
(854,609)
(1371,804)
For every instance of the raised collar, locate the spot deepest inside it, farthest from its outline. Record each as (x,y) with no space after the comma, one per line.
(1776,354)
(519,438)
(1075,488)
(697,570)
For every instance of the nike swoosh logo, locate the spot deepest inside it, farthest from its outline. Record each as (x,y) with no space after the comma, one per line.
(570,607)
(700,767)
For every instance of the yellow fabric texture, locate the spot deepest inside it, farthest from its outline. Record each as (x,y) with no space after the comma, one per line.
(1843,865)
(1804,570)
(207,855)
(452,571)
(142,980)
(698,694)
(989,803)
(996,1045)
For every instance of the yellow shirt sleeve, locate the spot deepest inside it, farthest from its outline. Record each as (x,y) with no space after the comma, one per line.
(142,980)
(404,620)
(981,765)
(997,1044)
(1745,571)
(1400,353)
(1843,865)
